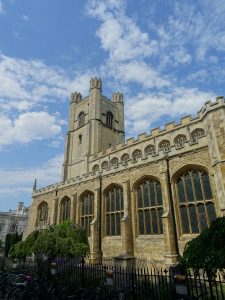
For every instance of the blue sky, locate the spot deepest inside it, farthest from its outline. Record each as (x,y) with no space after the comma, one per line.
(167,57)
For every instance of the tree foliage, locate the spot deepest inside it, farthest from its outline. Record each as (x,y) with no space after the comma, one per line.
(10,240)
(66,239)
(207,251)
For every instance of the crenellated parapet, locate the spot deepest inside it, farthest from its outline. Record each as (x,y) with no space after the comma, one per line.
(76,98)
(174,139)
(96,83)
(117,97)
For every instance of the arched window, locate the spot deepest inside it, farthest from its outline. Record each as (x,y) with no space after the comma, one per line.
(150,150)
(136,154)
(65,209)
(195,201)
(179,141)
(197,134)
(149,207)
(105,165)
(42,213)
(80,139)
(114,210)
(109,119)
(95,169)
(124,159)
(81,119)
(114,162)
(165,146)
(87,211)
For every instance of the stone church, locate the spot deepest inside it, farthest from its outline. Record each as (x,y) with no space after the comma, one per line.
(140,198)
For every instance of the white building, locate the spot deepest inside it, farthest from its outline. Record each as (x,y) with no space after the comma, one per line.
(13,221)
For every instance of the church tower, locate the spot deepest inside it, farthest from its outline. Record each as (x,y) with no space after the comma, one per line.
(95,124)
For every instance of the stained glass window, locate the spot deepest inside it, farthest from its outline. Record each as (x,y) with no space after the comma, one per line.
(65,209)
(196,204)
(42,212)
(87,211)
(114,210)
(149,206)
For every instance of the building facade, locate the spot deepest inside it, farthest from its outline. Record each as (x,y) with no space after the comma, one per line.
(143,198)
(13,221)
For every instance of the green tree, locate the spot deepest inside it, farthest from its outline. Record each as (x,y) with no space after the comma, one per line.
(66,239)
(207,251)
(10,240)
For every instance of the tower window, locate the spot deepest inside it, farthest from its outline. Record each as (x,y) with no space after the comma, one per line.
(109,119)
(81,119)
(80,139)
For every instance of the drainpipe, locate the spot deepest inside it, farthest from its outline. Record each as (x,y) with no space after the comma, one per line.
(172,204)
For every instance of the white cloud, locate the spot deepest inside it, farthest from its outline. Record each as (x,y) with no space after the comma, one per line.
(25,17)
(16,181)
(145,109)
(28,127)
(1,7)
(25,83)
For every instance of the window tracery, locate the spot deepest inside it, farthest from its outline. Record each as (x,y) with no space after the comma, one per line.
(65,209)
(150,150)
(81,119)
(114,210)
(197,134)
(165,146)
(136,154)
(125,159)
(195,201)
(87,211)
(114,162)
(109,119)
(149,207)
(179,141)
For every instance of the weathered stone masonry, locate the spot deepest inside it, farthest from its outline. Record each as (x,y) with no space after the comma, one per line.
(126,183)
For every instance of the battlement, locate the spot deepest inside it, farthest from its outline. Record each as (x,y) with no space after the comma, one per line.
(96,83)
(146,147)
(76,97)
(117,97)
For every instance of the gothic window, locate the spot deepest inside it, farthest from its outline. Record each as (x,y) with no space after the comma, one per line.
(150,150)
(124,159)
(95,169)
(136,154)
(13,228)
(87,211)
(197,134)
(109,119)
(165,146)
(81,119)
(179,141)
(80,139)
(149,207)
(114,210)
(42,213)
(105,165)
(114,162)
(65,209)
(195,201)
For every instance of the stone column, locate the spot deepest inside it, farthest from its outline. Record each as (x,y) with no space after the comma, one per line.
(73,207)
(171,255)
(54,211)
(95,230)
(126,223)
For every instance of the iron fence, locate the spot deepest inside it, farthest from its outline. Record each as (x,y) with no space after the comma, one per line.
(141,283)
